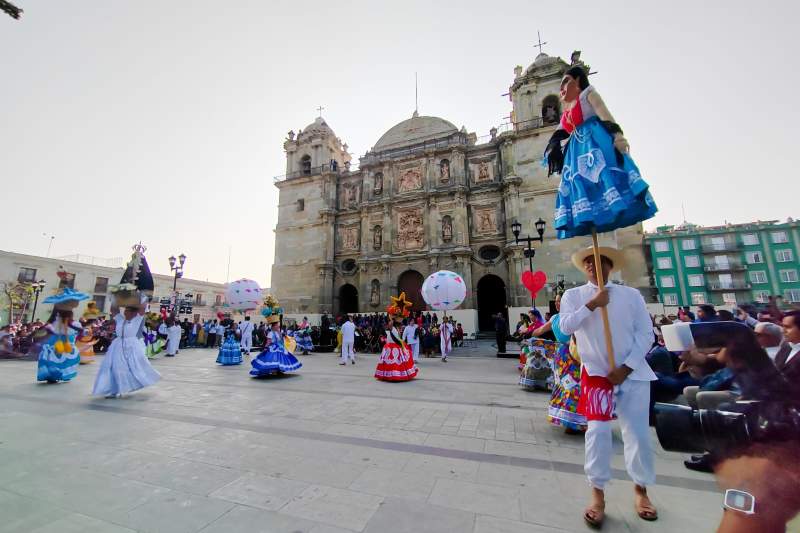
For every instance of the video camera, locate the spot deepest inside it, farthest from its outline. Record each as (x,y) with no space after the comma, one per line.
(683,429)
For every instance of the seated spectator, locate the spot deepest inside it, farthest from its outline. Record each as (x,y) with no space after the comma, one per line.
(770,337)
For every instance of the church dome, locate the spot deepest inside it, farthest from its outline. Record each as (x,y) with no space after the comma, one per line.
(414,130)
(318,126)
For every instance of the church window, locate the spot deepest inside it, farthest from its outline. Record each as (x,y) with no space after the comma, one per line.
(301,204)
(305,164)
(551,109)
(489,253)
(348,265)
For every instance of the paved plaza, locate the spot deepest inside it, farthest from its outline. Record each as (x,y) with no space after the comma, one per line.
(329,450)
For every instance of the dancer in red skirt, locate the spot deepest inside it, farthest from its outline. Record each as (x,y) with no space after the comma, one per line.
(396,362)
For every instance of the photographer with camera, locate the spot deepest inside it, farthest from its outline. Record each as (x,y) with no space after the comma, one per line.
(753,442)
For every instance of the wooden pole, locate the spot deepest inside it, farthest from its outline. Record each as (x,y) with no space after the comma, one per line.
(598,268)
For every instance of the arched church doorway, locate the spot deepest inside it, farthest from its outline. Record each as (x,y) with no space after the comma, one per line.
(410,282)
(491,300)
(348,299)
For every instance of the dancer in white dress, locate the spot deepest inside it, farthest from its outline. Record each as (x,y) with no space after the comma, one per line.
(125,367)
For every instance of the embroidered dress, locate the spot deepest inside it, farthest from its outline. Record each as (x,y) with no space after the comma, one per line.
(596,191)
(275,359)
(230,353)
(125,367)
(396,362)
(563,410)
(537,374)
(303,338)
(59,357)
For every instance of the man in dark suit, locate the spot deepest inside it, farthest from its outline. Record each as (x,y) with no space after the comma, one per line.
(500,332)
(787,359)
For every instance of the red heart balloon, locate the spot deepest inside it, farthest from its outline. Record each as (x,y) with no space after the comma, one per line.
(534,281)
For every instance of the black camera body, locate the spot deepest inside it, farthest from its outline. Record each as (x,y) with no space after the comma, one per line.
(720,431)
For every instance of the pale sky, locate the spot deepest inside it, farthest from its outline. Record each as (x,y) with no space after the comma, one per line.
(164,121)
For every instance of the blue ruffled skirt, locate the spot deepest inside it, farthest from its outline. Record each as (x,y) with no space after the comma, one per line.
(230,353)
(304,341)
(57,367)
(273,360)
(595,192)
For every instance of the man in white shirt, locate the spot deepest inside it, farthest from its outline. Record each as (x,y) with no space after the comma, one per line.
(220,334)
(174,332)
(411,338)
(446,338)
(632,336)
(246,332)
(770,337)
(348,341)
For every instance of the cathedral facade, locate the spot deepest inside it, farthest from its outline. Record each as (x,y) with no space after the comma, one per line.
(427,197)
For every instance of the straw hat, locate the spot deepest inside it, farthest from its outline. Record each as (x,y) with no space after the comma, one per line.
(616,256)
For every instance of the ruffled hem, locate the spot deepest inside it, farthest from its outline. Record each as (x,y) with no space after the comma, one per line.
(271,362)
(396,363)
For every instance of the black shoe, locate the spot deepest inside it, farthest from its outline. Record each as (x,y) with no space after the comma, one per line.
(699,463)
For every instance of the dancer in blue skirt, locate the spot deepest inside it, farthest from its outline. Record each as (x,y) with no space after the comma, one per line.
(276,357)
(230,353)
(59,357)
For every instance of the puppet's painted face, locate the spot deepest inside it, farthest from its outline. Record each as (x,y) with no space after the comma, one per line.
(569,89)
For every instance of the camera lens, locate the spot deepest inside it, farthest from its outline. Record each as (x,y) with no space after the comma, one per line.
(678,428)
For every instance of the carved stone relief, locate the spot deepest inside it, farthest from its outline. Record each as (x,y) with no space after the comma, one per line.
(485,219)
(348,237)
(483,171)
(410,180)
(411,229)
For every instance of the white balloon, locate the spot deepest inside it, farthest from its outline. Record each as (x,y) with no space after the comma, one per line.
(243,295)
(444,290)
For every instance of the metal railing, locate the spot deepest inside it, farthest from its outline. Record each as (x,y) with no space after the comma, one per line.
(732,286)
(732,266)
(455,139)
(310,171)
(727,246)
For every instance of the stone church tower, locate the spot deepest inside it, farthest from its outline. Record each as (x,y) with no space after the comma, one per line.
(429,196)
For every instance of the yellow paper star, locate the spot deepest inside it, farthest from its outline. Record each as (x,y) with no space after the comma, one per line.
(401,303)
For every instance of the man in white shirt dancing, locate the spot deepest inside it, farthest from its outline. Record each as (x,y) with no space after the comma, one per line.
(446,338)
(246,332)
(411,337)
(632,336)
(348,341)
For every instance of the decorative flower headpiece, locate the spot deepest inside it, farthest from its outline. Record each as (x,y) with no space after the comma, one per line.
(399,306)
(271,306)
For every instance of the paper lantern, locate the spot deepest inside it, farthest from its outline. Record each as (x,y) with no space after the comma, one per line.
(243,295)
(444,290)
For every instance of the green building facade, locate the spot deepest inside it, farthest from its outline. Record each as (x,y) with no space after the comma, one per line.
(725,265)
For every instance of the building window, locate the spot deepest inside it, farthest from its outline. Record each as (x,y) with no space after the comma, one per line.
(758,276)
(688,244)
(26,275)
(489,253)
(696,280)
(749,239)
(761,297)
(784,256)
(100,285)
(198,299)
(305,164)
(217,299)
(670,299)
(788,276)
(664,262)
(100,301)
(699,298)
(753,258)
(301,204)
(779,237)
(662,246)
(67,279)
(667,281)
(692,261)
(729,298)
(791,295)
(551,109)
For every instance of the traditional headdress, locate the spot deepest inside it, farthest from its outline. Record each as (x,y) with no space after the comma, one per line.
(66,299)
(271,310)
(136,282)
(92,312)
(399,308)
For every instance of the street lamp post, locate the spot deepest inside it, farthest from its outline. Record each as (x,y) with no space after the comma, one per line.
(38,287)
(177,267)
(530,252)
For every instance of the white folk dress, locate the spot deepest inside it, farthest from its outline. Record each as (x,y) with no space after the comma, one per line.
(125,367)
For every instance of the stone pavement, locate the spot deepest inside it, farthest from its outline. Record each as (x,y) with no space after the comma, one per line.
(460,449)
